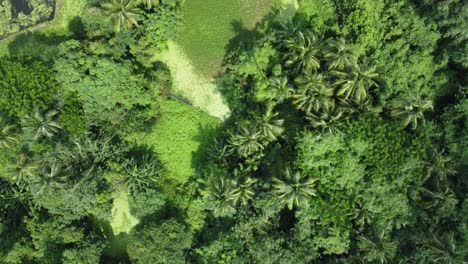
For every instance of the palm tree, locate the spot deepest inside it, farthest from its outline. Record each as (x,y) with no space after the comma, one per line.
(377,247)
(8,135)
(219,152)
(440,166)
(24,168)
(247,140)
(355,83)
(52,175)
(443,249)
(339,55)
(302,50)
(295,189)
(281,87)
(272,125)
(243,191)
(410,109)
(361,216)
(143,175)
(150,3)
(221,196)
(328,119)
(122,13)
(41,124)
(313,93)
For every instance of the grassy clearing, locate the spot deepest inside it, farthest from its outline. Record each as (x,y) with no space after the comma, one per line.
(201,91)
(122,221)
(211,24)
(177,135)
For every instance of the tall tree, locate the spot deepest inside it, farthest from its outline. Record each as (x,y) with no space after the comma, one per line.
(410,108)
(41,124)
(122,13)
(8,134)
(313,93)
(248,140)
(355,82)
(295,188)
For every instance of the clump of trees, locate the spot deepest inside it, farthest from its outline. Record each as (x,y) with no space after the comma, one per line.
(346,143)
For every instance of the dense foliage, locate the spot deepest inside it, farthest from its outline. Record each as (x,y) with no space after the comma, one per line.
(346,143)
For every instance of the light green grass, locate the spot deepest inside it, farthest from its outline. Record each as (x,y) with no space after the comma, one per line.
(201,91)
(209,25)
(176,137)
(122,220)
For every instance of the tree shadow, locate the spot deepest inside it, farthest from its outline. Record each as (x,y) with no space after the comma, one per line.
(35,45)
(205,136)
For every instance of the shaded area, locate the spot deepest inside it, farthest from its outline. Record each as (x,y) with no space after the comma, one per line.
(20,6)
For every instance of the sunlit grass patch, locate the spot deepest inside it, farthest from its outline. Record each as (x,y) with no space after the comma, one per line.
(122,220)
(211,24)
(201,91)
(176,136)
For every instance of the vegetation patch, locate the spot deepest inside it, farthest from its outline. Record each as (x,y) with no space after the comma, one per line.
(122,220)
(176,137)
(211,24)
(202,92)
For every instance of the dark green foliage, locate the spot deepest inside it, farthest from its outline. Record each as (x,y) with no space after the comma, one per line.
(110,92)
(72,116)
(347,140)
(172,242)
(25,84)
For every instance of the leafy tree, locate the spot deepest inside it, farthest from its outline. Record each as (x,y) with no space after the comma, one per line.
(41,124)
(121,13)
(172,242)
(25,84)
(295,189)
